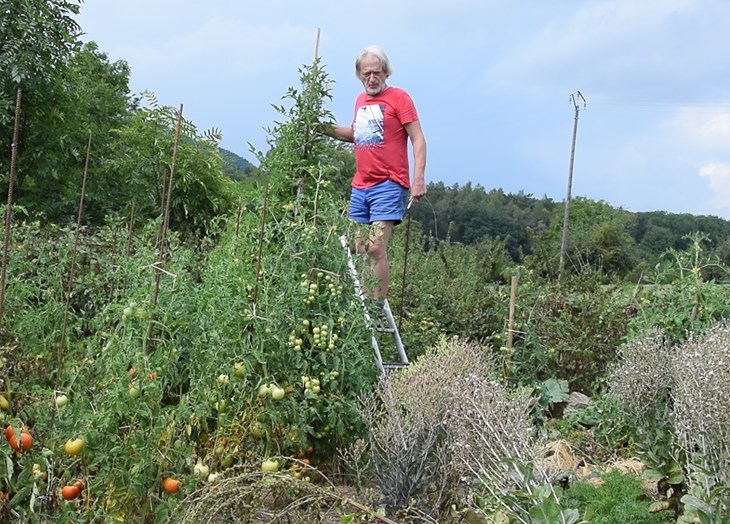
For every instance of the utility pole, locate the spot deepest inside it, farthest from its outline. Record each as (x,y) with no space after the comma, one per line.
(575,99)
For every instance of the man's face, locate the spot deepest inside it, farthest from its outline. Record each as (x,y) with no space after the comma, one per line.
(372,75)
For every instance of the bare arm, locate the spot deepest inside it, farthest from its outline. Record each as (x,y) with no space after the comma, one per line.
(343,133)
(418,141)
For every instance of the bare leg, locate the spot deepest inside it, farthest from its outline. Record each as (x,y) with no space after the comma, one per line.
(376,247)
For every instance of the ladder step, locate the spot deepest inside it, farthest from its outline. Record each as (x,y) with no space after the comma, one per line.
(395,365)
(384,330)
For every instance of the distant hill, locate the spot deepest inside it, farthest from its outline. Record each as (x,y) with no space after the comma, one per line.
(234,166)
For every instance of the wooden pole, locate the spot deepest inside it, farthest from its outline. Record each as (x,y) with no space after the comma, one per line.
(74,254)
(316,45)
(162,243)
(511,321)
(9,207)
(566,212)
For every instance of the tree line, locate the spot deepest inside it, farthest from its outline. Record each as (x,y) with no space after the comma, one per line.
(615,241)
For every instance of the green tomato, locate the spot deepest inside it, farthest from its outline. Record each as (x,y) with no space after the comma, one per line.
(278,393)
(257,430)
(270,466)
(239,370)
(228,461)
(264,391)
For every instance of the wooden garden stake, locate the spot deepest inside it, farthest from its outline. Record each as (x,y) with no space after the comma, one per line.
(511,322)
(9,207)
(162,243)
(510,326)
(72,267)
(238,225)
(259,254)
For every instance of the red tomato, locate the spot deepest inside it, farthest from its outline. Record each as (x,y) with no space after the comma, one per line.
(171,485)
(70,492)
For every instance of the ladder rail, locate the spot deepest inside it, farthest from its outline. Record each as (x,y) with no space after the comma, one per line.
(370,323)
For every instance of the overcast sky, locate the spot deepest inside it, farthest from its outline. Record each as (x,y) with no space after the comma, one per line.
(494,82)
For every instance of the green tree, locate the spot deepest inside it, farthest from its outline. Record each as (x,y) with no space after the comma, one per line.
(87,96)
(139,165)
(599,239)
(36,37)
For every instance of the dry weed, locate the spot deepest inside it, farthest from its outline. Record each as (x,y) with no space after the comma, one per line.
(701,405)
(250,496)
(443,431)
(640,380)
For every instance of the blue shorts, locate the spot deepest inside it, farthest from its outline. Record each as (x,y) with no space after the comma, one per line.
(384,201)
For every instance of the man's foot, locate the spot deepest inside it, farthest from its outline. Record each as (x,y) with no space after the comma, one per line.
(376,310)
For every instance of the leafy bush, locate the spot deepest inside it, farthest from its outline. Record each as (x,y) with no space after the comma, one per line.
(619,499)
(681,297)
(569,330)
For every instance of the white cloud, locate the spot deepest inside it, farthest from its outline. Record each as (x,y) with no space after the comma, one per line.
(705,127)
(718,175)
(599,43)
(249,49)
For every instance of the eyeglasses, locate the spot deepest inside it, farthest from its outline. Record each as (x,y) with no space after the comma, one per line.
(367,74)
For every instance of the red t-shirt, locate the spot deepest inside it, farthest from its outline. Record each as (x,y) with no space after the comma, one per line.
(381,141)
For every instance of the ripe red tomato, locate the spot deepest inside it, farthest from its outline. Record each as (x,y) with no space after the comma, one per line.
(26,442)
(171,485)
(70,492)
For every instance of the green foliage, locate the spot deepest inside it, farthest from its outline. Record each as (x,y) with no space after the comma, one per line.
(156,385)
(36,36)
(570,330)
(599,240)
(619,499)
(679,299)
(141,155)
(708,500)
(452,289)
(86,99)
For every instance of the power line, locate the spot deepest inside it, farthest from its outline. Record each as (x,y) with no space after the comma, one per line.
(694,107)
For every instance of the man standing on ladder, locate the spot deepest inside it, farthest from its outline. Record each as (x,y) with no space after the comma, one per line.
(385,119)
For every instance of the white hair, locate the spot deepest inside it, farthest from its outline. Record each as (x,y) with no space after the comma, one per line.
(377,52)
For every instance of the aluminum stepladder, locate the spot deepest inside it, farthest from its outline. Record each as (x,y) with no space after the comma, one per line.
(392,327)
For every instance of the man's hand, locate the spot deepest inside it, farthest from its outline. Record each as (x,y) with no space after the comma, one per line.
(323,129)
(418,190)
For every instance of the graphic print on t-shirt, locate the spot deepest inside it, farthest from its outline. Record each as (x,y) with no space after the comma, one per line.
(369,125)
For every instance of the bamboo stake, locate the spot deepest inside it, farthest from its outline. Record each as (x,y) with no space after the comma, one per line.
(162,242)
(9,207)
(511,323)
(69,282)
(130,228)
(316,45)
(259,254)
(74,254)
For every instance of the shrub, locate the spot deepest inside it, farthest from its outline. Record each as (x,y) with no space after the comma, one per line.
(700,377)
(570,330)
(445,431)
(407,418)
(640,380)
(619,499)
